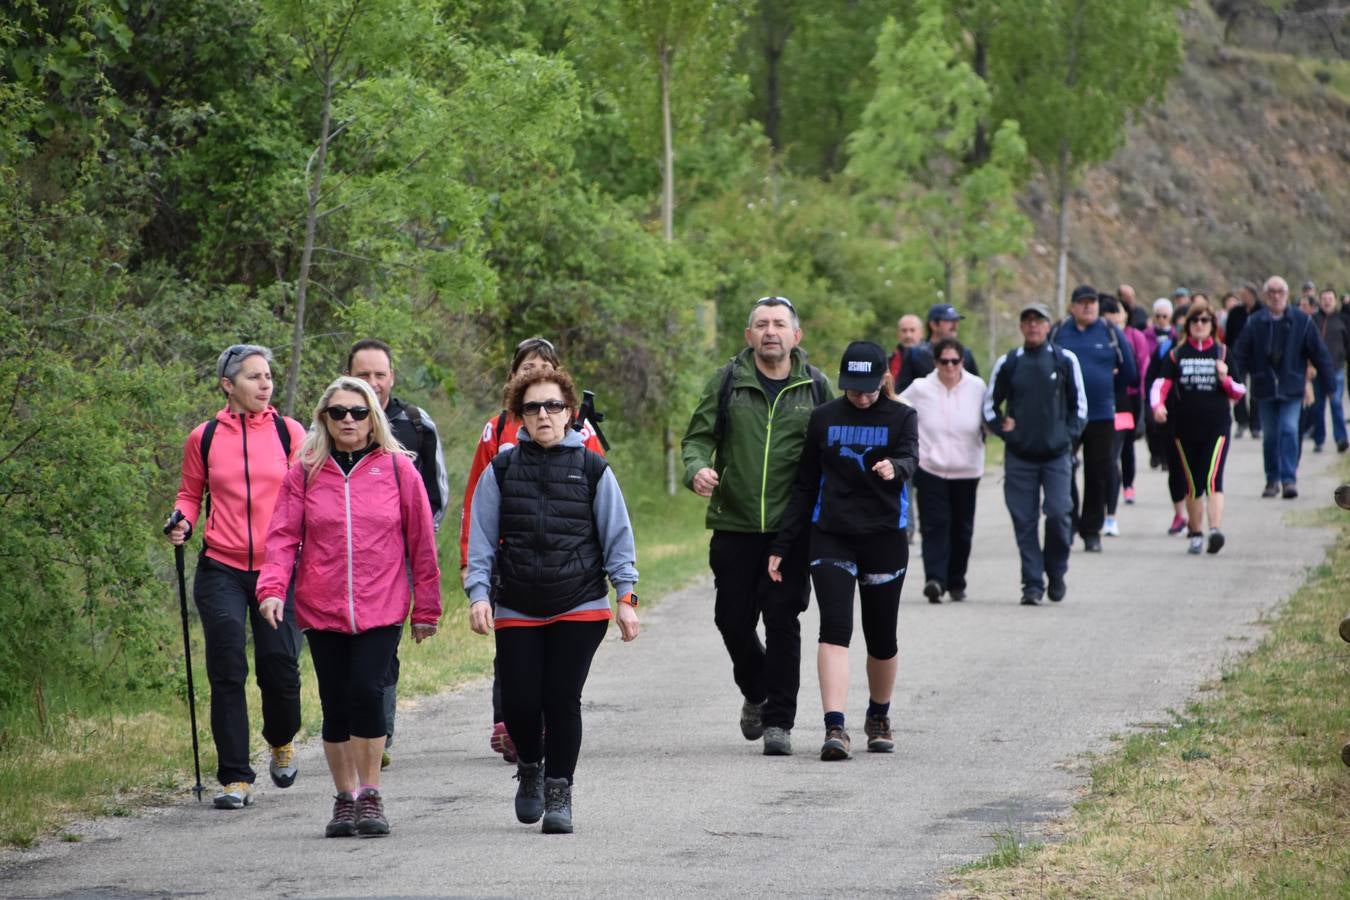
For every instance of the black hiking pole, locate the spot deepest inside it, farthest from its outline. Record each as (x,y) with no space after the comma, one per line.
(187,654)
(587,413)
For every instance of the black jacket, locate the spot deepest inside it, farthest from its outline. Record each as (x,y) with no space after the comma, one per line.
(1334,330)
(1041,390)
(1275,352)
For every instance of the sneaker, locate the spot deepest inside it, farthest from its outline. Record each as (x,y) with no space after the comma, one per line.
(1030,596)
(878,731)
(933,591)
(343,823)
(1092,543)
(1215,541)
(1237,433)
(1196,544)
(282,768)
(1290,491)
(530,792)
(1255,434)
(836,746)
(1178,525)
(956,595)
(752,719)
(557,806)
(501,742)
(370,818)
(1111,528)
(1272,490)
(777,741)
(1317,448)
(1129,496)
(1342,446)
(235,795)
(1057,589)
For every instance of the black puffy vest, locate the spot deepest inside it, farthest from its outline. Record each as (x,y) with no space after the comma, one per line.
(549,557)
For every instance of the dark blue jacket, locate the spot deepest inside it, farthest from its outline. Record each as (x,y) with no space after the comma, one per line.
(1107,361)
(1041,389)
(1277,368)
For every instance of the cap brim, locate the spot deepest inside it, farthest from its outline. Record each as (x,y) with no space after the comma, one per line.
(865,384)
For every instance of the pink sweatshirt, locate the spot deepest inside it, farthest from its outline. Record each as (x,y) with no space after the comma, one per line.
(246,467)
(951,423)
(354,530)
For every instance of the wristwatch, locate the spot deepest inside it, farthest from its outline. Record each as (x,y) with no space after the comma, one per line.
(630,598)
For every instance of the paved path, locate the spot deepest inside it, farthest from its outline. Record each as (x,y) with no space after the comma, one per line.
(994,704)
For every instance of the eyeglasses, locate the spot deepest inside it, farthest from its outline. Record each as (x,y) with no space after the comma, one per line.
(1277,290)
(775,301)
(535,407)
(948,361)
(338,413)
(1162,315)
(535,342)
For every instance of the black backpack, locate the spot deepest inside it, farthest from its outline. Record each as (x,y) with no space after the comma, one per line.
(209,434)
(818,392)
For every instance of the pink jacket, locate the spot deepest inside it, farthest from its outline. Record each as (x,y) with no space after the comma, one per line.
(355,530)
(951,425)
(246,468)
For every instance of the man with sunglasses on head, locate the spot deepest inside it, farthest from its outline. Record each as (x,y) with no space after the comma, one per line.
(741,451)
(372,361)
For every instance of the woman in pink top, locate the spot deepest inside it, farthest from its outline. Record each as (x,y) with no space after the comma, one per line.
(950,403)
(238,460)
(359,508)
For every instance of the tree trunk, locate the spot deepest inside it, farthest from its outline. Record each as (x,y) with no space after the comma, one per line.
(314,179)
(1062,228)
(667,226)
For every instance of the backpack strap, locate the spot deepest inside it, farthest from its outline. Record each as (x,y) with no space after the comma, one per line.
(208,435)
(723,398)
(817,384)
(415,417)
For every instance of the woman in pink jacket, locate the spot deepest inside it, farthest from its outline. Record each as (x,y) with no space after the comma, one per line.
(950,403)
(359,508)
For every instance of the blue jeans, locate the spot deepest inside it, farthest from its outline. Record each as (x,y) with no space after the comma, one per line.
(1319,422)
(1280,439)
(1030,487)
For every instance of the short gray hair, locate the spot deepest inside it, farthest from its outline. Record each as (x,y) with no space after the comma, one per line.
(232,359)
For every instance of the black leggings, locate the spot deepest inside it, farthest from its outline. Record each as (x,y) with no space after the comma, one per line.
(542,669)
(353,670)
(876,563)
(1202,465)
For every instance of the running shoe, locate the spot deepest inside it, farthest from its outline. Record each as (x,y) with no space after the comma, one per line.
(933,591)
(1215,541)
(1290,491)
(752,720)
(282,768)
(1196,544)
(501,742)
(235,795)
(837,744)
(1178,525)
(1272,490)
(1111,528)
(1129,496)
(1057,589)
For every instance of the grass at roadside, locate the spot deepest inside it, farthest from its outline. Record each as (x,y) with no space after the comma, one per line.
(1243,794)
(91,761)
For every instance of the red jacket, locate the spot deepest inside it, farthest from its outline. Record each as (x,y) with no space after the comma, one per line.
(246,467)
(355,530)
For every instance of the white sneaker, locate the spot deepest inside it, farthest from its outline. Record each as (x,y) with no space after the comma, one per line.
(1111,528)
(1196,545)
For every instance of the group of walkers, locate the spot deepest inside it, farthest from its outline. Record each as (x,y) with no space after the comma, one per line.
(330,530)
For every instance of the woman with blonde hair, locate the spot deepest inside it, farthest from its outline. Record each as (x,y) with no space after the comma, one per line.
(355,512)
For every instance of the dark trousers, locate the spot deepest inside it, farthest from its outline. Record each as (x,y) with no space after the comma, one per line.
(226,601)
(1127,461)
(390,700)
(543,669)
(353,671)
(1097,440)
(1030,487)
(1116,474)
(769,671)
(947,522)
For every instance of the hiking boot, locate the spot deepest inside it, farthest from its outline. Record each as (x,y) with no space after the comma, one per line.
(557,806)
(343,823)
(777,741)
(1215,541)
(1092,543)
(956,595)
(878,731)
(1272,490)
(1290,491)
(370,818)
(1111,528)
(1129,496)
(1179,524)
(235,795)
(752,719)
(836,746)
(1031,596)
(530,792)
(501,742)
(1057,589)
(282,768)
(933,591)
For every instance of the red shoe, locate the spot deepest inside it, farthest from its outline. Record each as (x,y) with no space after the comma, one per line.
(1178,525)
(1129,496)
(501,742)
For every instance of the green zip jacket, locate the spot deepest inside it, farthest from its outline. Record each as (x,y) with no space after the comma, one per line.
(756,461)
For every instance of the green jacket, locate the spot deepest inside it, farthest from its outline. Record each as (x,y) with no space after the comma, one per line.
(756,461)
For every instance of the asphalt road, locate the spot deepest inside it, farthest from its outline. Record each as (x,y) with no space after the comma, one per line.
(995,706)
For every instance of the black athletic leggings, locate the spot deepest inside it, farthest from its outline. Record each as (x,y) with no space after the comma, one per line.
(353,671)
(542,669)
(876,563)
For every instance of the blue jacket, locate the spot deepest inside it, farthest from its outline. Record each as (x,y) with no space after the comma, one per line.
(1106,359)
(1278,373)
(1041,389)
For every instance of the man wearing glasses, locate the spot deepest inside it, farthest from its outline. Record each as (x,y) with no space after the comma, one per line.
(741,450)
(1275,349)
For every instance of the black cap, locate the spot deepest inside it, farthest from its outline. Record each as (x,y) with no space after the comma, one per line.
(944,312)
(862,368)
(1083,292)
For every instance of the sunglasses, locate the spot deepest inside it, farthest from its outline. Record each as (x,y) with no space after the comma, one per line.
(948,361)
(535,407)
(775,301)
(1199,319)
(535,342)
(338,413)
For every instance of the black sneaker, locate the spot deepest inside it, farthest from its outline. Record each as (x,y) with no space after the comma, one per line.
(933,591)
(1092,543)
(752,720)
(1215,541)
(1290,491)
(1272,490)
(956,595)
(557,806)
(370,818)
(1030,596)
(837,744)
(777,741)
(343,823)
(878,731)
(1342,446)
(1057,589)
(530,792)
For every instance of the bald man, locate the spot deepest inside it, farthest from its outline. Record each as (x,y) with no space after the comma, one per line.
(909,332)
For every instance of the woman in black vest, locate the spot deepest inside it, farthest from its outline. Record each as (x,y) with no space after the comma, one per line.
(548,514)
